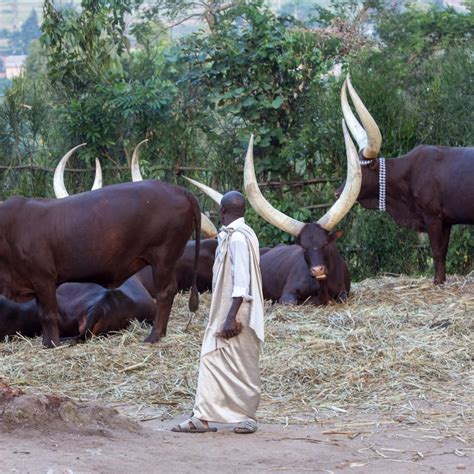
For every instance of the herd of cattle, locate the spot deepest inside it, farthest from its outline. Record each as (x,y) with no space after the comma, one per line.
(91,262)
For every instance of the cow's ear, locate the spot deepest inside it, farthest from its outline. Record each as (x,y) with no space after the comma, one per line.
(335,235)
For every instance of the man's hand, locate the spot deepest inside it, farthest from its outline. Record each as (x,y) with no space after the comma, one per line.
(231,329)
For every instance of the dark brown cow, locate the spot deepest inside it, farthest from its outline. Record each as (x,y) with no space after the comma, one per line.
(184,267)
(102,236)
(429,189)
(185,264)
(21,318)
(286,279)
(312,269)
(84,308)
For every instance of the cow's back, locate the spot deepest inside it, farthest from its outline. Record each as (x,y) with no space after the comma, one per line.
(102,236)
(441,182)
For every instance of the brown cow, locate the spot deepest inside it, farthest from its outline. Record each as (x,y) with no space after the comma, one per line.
(184,267)
(312,269)
(185,264)
(429,189)
(102,236)
(84,308)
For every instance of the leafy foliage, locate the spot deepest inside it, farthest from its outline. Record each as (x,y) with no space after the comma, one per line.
(198,99)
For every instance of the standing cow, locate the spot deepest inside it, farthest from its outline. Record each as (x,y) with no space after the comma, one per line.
(185,264)
(429,189)
(102,236)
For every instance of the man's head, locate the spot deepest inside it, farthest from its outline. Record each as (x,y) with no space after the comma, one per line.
(232,207)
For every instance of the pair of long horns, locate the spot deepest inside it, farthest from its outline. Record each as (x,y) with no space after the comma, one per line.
(367,135)
(339,209)
(332,217)
(60,190)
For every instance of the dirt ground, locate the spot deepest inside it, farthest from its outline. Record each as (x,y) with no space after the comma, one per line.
(86,438)
(273,448)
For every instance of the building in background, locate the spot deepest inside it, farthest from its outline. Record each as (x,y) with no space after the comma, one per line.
(13,65)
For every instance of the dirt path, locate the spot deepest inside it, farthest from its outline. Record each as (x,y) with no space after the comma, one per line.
(274,448)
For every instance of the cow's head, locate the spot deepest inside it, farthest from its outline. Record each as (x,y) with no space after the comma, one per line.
(319,248)
(317,239)
(369,140)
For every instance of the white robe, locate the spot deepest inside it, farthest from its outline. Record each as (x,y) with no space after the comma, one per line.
(229,377)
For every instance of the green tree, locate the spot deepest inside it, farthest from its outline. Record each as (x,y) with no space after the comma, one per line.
(111,98)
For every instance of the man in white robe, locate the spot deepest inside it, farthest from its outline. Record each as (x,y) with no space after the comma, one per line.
(229,377)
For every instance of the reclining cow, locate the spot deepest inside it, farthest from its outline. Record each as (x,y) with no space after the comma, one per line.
(311,270)
(184,267)
(84,309)
(429,189)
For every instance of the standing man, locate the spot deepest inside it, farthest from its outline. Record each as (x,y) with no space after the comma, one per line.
(229,377)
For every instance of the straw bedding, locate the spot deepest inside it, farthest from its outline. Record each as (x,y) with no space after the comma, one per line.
(400,349)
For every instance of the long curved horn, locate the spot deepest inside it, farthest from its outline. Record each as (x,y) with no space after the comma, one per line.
(135,166)
(353,124)
(351,189)
(260,204)
(207,227)
(98,176)
(213,194)
(58,180)
(374,137)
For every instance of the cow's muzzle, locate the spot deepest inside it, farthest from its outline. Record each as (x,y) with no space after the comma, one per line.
(319,272)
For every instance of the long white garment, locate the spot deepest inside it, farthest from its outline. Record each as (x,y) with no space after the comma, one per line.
(229,378)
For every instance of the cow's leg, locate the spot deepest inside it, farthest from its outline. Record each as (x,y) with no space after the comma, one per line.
(289,297)
(439,239)
(164,279)
(49,316)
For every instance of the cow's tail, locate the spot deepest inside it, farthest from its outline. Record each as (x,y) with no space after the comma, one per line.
(194,297)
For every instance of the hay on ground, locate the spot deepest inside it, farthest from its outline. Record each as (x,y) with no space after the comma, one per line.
(400,349)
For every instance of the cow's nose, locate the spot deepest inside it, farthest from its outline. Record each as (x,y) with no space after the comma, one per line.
(319,272)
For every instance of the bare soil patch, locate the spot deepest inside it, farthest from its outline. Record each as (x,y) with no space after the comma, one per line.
(49,414)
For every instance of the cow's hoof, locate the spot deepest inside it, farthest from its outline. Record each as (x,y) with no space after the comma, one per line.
(152,339)
(50,344)
(343,296)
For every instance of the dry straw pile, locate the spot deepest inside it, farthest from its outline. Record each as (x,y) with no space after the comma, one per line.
(400,349)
